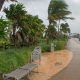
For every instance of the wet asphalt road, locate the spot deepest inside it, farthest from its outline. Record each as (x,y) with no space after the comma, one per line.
(72,72)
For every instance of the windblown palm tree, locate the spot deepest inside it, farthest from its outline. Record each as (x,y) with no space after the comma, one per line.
(30,27)
(57,11)
(16,14)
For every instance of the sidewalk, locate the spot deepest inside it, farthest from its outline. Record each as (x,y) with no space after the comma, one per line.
(51,64)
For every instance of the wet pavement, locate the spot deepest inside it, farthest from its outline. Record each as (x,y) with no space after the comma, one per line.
(72,72)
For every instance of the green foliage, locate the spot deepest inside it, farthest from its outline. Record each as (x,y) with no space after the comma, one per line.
(3,25)
(16,12)
(65,28)
(11,59)
(30,27)
(33,26)
(4,31)
(44,46)
(51,32)
(60,44)
(57,11)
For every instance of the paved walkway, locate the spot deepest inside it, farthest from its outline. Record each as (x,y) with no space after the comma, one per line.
(48,66)
(72,72)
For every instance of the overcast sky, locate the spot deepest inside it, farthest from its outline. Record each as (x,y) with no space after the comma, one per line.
(40,8)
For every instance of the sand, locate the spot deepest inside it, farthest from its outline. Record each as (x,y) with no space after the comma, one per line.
(51,64)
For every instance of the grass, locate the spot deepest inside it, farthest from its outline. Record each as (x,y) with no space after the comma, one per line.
(59,45)
(14,58)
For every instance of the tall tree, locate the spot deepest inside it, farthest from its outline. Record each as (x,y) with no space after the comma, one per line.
(33,28)
(57,11)
(26,28)
(16,14)
(51,33)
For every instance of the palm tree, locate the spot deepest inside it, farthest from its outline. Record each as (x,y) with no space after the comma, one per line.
(57,11)
(65,28)
(29,27)
(33,28)
(16,14)
(2,2)
(51,32)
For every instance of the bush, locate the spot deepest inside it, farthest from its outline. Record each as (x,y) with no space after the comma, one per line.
(45,48)
(59,45)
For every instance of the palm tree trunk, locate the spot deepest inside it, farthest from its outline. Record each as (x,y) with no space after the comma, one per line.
(14,29)
(59,26)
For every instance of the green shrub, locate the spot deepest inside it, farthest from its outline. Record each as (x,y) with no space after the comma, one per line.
(45,48)
(59,45)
